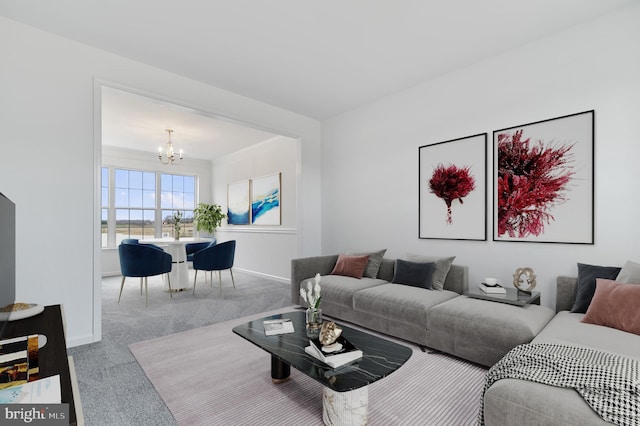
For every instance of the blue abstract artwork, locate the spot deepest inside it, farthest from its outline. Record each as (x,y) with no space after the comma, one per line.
(238,203)
(265,200)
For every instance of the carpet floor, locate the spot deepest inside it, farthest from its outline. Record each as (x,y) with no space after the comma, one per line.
(210,376)
(113,388)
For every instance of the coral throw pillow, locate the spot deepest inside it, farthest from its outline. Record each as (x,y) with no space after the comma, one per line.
(615,305)
(350,266)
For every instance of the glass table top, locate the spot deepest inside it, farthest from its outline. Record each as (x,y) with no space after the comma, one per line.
(381,357)
(511,297)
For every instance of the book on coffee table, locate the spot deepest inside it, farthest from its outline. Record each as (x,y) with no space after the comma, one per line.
(346,354)
(278,326)
(493,289)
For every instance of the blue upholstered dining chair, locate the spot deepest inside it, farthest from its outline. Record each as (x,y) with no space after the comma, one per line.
(195,247)
(216,257)
(143,260)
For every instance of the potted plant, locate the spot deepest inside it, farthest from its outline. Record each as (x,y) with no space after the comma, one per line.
(208,217)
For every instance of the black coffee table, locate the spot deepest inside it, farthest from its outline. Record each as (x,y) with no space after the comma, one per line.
(345,393)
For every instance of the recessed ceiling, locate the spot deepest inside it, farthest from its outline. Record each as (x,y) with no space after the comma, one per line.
(317,58)
(138,122)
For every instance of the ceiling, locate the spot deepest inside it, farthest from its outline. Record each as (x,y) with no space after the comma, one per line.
(316,58)
(137,122)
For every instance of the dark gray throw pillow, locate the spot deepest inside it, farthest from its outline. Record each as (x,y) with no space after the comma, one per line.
(587,275)
(413,273)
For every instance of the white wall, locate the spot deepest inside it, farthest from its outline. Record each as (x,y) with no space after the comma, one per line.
(146,161)
(370,165)
(266,250)
(50,121)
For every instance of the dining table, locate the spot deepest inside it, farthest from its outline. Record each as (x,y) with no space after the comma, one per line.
(179,274)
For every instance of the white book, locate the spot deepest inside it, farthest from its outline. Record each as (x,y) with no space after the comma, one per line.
(278,326)
(350,354)
(495,289)
(42,391)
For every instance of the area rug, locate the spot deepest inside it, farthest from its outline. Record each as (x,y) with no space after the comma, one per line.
(210,376)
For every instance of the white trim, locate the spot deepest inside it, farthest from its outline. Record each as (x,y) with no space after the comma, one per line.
(288,231)
(260,274)
(97,218)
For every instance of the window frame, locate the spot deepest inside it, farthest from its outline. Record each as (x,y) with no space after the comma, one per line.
(111,208)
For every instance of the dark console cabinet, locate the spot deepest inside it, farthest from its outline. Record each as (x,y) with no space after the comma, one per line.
(52,358)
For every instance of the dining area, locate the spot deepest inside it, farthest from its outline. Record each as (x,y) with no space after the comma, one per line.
(173,258)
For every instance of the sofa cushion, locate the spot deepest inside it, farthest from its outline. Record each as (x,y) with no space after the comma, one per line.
(374,262)
(511,402)
(350,266)
(483,331)
(630,273)
(615,305)
(413,274)
(443,264)
(587,275)
(340,289)
(401,302)
(566,328)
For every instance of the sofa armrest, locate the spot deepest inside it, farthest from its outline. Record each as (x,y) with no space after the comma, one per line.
(307,267)
(566,289)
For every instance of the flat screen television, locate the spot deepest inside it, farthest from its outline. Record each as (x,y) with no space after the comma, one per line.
(7,255)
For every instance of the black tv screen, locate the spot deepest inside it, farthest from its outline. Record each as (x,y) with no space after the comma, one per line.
(7,255)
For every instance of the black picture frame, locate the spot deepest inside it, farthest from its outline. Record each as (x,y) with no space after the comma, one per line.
(452,189)
(543,181)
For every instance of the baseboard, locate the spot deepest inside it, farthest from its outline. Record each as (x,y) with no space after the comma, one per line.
(262,275)
(79,341)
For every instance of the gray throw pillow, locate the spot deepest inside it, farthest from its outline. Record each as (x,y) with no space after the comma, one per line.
(587,275)
(416,274)
(630,273)
(373,265)
(443,264)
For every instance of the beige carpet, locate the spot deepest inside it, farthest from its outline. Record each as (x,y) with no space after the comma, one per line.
(210,376)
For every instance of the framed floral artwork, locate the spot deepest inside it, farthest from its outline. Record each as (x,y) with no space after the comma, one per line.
(543,178)
(452,189)
(238,203)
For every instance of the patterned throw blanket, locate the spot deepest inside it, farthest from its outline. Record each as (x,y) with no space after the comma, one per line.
(609,383)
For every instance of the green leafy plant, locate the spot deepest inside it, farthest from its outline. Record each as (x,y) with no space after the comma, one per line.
(208,217)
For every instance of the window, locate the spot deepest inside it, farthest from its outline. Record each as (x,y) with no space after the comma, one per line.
(177,194)
(139,204)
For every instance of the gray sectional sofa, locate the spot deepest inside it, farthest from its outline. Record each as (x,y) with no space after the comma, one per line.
(444,320)
(512,401)
(478,330)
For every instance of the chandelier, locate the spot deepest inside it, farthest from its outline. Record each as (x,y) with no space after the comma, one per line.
(169,157)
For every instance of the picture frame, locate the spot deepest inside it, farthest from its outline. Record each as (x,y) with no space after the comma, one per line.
(238,211)
(265,200)
(455,211)
(543,181)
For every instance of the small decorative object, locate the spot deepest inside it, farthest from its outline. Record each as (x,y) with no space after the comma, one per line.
(314,314)
(177,217)
(329,333)
(529,277)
